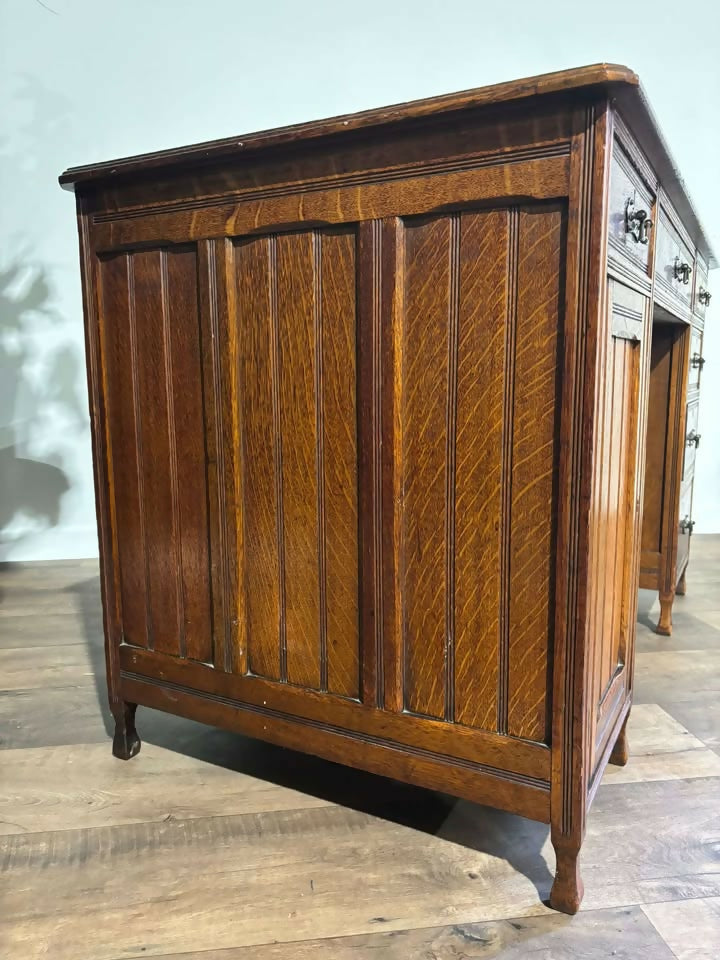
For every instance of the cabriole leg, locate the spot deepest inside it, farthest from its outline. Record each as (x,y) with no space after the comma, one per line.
(619,755)
(567,890)
(664,626)
(126,742)
(681,587)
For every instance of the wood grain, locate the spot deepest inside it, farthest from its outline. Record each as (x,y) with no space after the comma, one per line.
(481,363)
(185,363)
(534,466)
(295,286)
(337,281)
(118,332)
(424,419)
(262,573)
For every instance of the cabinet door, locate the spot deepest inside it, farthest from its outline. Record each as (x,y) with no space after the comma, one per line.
(620,413)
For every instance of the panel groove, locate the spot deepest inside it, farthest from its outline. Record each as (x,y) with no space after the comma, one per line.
(377,456)
(506,471)
(139,442)
(450,463)
(172,447)
(320,455)
(277,437)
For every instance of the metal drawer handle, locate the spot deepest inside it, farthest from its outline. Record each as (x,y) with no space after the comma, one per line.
(681,270)
(686,525)
(704,297)
(697,361)
(637,222)
(693,438)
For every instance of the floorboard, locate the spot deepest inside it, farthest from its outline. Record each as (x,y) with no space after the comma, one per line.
(211,846)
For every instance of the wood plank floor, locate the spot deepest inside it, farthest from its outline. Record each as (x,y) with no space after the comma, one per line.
(210,846)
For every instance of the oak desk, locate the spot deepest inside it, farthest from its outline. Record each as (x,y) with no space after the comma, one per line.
(368,399)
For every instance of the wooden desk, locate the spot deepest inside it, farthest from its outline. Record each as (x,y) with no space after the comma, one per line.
(369,399)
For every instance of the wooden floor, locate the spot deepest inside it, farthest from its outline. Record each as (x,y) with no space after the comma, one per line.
(212,847)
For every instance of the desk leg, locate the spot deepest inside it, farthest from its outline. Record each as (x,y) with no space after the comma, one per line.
(664,626)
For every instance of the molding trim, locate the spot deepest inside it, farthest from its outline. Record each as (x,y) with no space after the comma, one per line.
(363,178)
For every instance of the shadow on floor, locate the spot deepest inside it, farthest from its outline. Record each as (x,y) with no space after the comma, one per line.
(484,829)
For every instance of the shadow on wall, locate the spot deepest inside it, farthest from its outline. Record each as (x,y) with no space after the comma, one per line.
(30,490)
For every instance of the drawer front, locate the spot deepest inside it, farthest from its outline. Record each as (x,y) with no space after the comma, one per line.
(685,526)
(674,263)
(697,361)
(692,439)
(701,296)
(631,204)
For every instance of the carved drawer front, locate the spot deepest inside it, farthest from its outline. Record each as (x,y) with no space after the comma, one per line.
(631,204)
(674,263)
(697,361)
(702,295)
(692,439)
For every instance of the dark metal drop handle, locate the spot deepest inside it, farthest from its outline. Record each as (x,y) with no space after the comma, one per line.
(637,222)
(704,297)
(686,525)
(697,361)
(693,438)
(681,270)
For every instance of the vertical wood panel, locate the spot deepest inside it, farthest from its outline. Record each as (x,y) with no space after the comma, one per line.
(424,414)
(609,556)
(295,305)
(483,304)
(534,459)
(261,573)
(337,286)
(161,534)
(118,330)
(187,401)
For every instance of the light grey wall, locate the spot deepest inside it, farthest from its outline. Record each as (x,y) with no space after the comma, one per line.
(91,80)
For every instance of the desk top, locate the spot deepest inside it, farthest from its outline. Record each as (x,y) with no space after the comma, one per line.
(621,83)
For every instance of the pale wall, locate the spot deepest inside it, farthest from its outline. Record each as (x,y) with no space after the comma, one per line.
(96,80)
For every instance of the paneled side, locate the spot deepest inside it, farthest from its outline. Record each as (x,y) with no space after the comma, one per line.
(533,471)
(480,312)
(338,410)
(259,455)
(152,344)
(424,413)
(184,362)
(478,482)
(159,462)
(296,317)
(117,321)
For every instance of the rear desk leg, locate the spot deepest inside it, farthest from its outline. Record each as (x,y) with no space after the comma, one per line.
(664,627)
(126,742)
(619,755)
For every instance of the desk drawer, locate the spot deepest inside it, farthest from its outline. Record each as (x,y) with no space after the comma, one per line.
(701,296)
(697,361)
(674,263)
(631,204)
(692,439)
(685,527)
